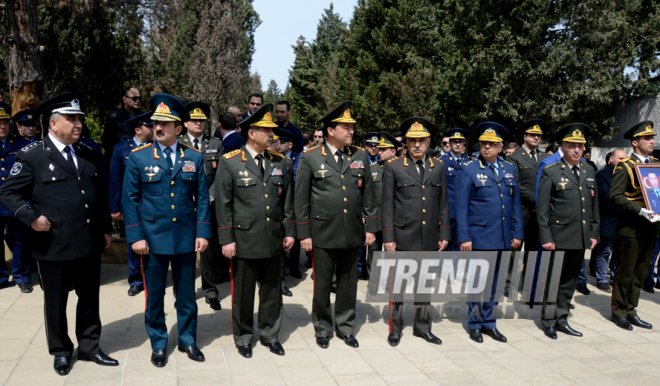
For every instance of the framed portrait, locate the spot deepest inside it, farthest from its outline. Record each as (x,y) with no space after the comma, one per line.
(649,179)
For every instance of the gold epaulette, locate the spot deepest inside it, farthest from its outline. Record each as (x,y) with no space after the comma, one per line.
(507,162)
(467,163)
(232,154)
(275,153)
(625,159)
(142,147)
(556,163)
(191,148)
(311,148)
(393,159)
(653,158)
(359,148)
(438,159)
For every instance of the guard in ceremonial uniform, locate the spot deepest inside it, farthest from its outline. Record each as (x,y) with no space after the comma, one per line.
(637,229)
(194,135)
(166,212)
(55,188)
(453,161)
(334,196)
(568,216)
(11,230)
(143,127)
(255,202)
(488,216)
(415,214)
(26,125)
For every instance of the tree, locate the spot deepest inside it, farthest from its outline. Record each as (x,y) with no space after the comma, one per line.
(273,93)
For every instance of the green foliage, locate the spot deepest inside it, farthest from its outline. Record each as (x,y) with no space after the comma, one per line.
(273,93)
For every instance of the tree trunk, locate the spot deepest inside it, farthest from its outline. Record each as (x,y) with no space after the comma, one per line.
(23,67)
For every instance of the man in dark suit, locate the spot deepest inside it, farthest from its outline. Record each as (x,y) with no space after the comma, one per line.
(454,160)
(415,217)
(231,139)
(57,190)
(116,130)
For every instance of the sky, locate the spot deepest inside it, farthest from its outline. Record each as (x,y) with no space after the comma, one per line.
(282,22)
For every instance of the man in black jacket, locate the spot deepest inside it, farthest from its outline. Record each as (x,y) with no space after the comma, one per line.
(116,130)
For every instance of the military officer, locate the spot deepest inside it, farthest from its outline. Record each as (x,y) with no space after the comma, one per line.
(55,188)
(11,230)
(255,201)
(415,217)
(484,221)
(165,204)
(26,124)
(636,235)
(143,127)
(371,141)
(453,161)
(567,212)
(291,146)
(334,197)
(194,135)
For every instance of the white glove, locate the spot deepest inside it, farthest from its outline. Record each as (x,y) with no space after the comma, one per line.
(646,214)
(655,218)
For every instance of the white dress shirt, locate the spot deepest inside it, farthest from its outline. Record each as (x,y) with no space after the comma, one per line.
(60,147)
(173,147)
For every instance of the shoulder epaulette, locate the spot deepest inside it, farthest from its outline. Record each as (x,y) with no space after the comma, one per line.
(232,154)
(394,159)
(441,161)
(84,144)
(311,148)
(142,147)
(653,158)
(507,162)
(556,163)
(469,162)
(358,148)
(191,148)
(32,146)
(277,154)
(373,163)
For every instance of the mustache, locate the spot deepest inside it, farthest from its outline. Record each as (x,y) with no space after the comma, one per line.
(417,149)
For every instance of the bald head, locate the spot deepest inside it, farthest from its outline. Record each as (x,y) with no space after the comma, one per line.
(617,156)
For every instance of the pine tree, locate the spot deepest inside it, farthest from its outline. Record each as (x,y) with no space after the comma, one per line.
(273,93)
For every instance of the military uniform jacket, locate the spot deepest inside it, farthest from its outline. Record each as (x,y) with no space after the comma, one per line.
(118,163)
(415,212)
(42,183)
(376,169)
(254,212)
(567,210)
(452,168)
(625,192)
(330,203)
(526,169)
(167,208)
(7,157)
(211,149)
(488,208)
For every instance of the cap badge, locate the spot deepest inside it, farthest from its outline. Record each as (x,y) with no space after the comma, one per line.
(75,104)
(162,109)
(197,111)
(268,116)
(29,117)
(382,140)
(577,133)
(490,133)
(416,127)
(537,127)
(347,114)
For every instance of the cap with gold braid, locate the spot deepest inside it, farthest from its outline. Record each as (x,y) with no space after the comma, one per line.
(492,132)
(372,138)
(387,140)
(642,129)
(26,117)
(573,132)
(535,126)
(263,117)
(418,127)
(198,110)
(340,114)
(456,134)
(5,111)
(167,108)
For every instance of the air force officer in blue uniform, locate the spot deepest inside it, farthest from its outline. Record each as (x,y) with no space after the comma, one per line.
(488,215)
(453,162)
(166,211)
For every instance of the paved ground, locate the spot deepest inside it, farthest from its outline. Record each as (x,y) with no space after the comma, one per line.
(605,355)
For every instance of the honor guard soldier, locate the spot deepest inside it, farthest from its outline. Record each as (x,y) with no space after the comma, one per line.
(254,194)
(13,231)
(143,129)
(567,212)
(637,228)
(415,214)
(488,216)
(26,125)
(453,161)
(55,188)
(166,212)
(194,136)
(334,197)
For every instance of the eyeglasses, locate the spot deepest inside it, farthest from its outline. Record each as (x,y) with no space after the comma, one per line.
(134,98)
(444,143)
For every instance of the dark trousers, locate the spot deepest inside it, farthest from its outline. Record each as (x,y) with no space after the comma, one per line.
(377,246)
(604,250)
(293,261)
(423,315)
(654,270)
(245,273)
(454,245)
(480,314)
(209,260)
(570,270)
(325,263)
(134,267)
(630,273)
(13,232)
(56,278)
(155,277)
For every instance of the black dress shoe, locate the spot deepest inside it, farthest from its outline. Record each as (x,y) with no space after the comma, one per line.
(25,288)
(193,352)
(623,323)
(4,285)
(476,336)
(99,359)
(604,287)
(349,340)
(550,332)
(159,358)
(245,351)
(568,330)
(214,303)
(495,334)
(394,339)
(276,348)
(296,273)
(286,291)
(582,288)
(62,365)
(648,288)
(571,306)
(323,341)
(429,337)
(135,289)
(636,321)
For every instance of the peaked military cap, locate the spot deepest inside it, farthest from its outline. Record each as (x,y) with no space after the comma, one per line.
(456,133)
(198,110)
(67,103)
(287,136)
(535,126)
(387,140)
(418,127)
(27,117)
(5,111)
(263,117)
(573,132)
(492,132)
(167,108)
(142,119)
(340,114)
(641,129)
(372,138)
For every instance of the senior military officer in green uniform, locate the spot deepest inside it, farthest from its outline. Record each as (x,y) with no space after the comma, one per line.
(567,210)
(636,234)
(334,198)
(194,136)
(254,208)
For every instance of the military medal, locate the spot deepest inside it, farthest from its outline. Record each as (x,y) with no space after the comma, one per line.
(322,171)
(359,182)
(563,182)
(246,180)
(593,193)
(215,164)
(152,172)
(51,167)
(188,167)
(482,178)
(279,191)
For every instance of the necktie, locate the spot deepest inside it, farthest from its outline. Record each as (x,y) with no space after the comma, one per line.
(168,152)
(494,169)
(196,144)
(420,164)
(458,161)
(576,172)
(260,163)
(533,154)
(69,157)
(340,159)
(647,161)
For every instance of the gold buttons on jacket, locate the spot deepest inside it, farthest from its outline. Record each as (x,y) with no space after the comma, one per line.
(502,206)
(423,198)
(172,183)
(343,188)
(584,222)
(172,206)
(174,219)
(268,219)
(268,208)
(264,184)
(345,211)
(423,210)
(423,222)
(423,187)
(266,196)
(580,188)
(345,199)
(342,176)
(171,194)
(582,198)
